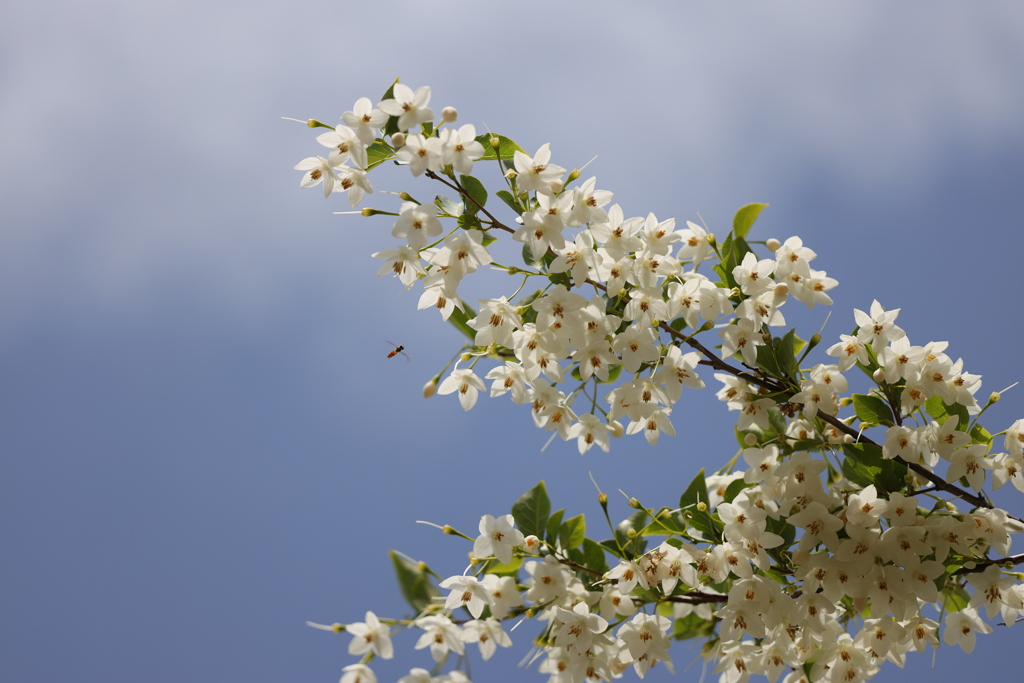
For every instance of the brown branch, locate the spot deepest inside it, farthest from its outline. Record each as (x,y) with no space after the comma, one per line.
(495,223)
(982,565)
(924,472)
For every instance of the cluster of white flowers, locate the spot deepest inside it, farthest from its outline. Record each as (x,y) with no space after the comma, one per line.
(818,560)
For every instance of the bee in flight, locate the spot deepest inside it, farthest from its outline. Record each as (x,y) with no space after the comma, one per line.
(399,349)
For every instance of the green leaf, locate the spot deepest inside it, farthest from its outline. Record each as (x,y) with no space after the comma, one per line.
(449,206)
(665,524)
(734,489)
(744,219)
(767,361)
(469,221)
(475,189)
(612,547)
(391,127)
(553,525)
(510,569)
(786,352)
(506,149)
(636,522)
(572,532)
(506,196)
(531,511)
(955,598)
(459,319)
(733,251)
(527,254)
(377,154)
(593,555)
(415,583)
(872,410)
(940,412)
(692,626)
(696,492)
(863,464)
(980,435)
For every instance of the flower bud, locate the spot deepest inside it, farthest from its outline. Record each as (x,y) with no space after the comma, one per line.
(845,401)
(750,439)
(772,244)
(617,430)
(398,140)
(781,290)
(430,388)
(631,533)
(573,175)
(531,544)
(878,376)
(847,439)
(449,114)
(556,186)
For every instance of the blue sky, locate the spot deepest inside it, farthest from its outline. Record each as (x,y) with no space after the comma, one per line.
(203,443)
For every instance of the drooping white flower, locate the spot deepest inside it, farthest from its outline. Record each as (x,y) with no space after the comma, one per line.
(497,537)
(370,636)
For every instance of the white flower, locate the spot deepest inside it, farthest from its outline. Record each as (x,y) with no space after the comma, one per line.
(365,120)
(422,154)
(318,170)
(962,627)
(461,148)
(468,592)
(536,173)
(370,635)
(410,107)
(497,537)
(441,635)
(358,673)
(488,634)
(466,383)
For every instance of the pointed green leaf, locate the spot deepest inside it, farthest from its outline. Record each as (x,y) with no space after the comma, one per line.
(507,148)
(744,219)
(864,464)
(531,511)
(734,489)
(377,154)
(416,584)
(941,412)
(553,525)
(872,410)
(572,532)
(634,546)
(449,206)
(460,318)
(955,598)
(391,127)
(476,190)
(506,196)
(696,492)
(593,554)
